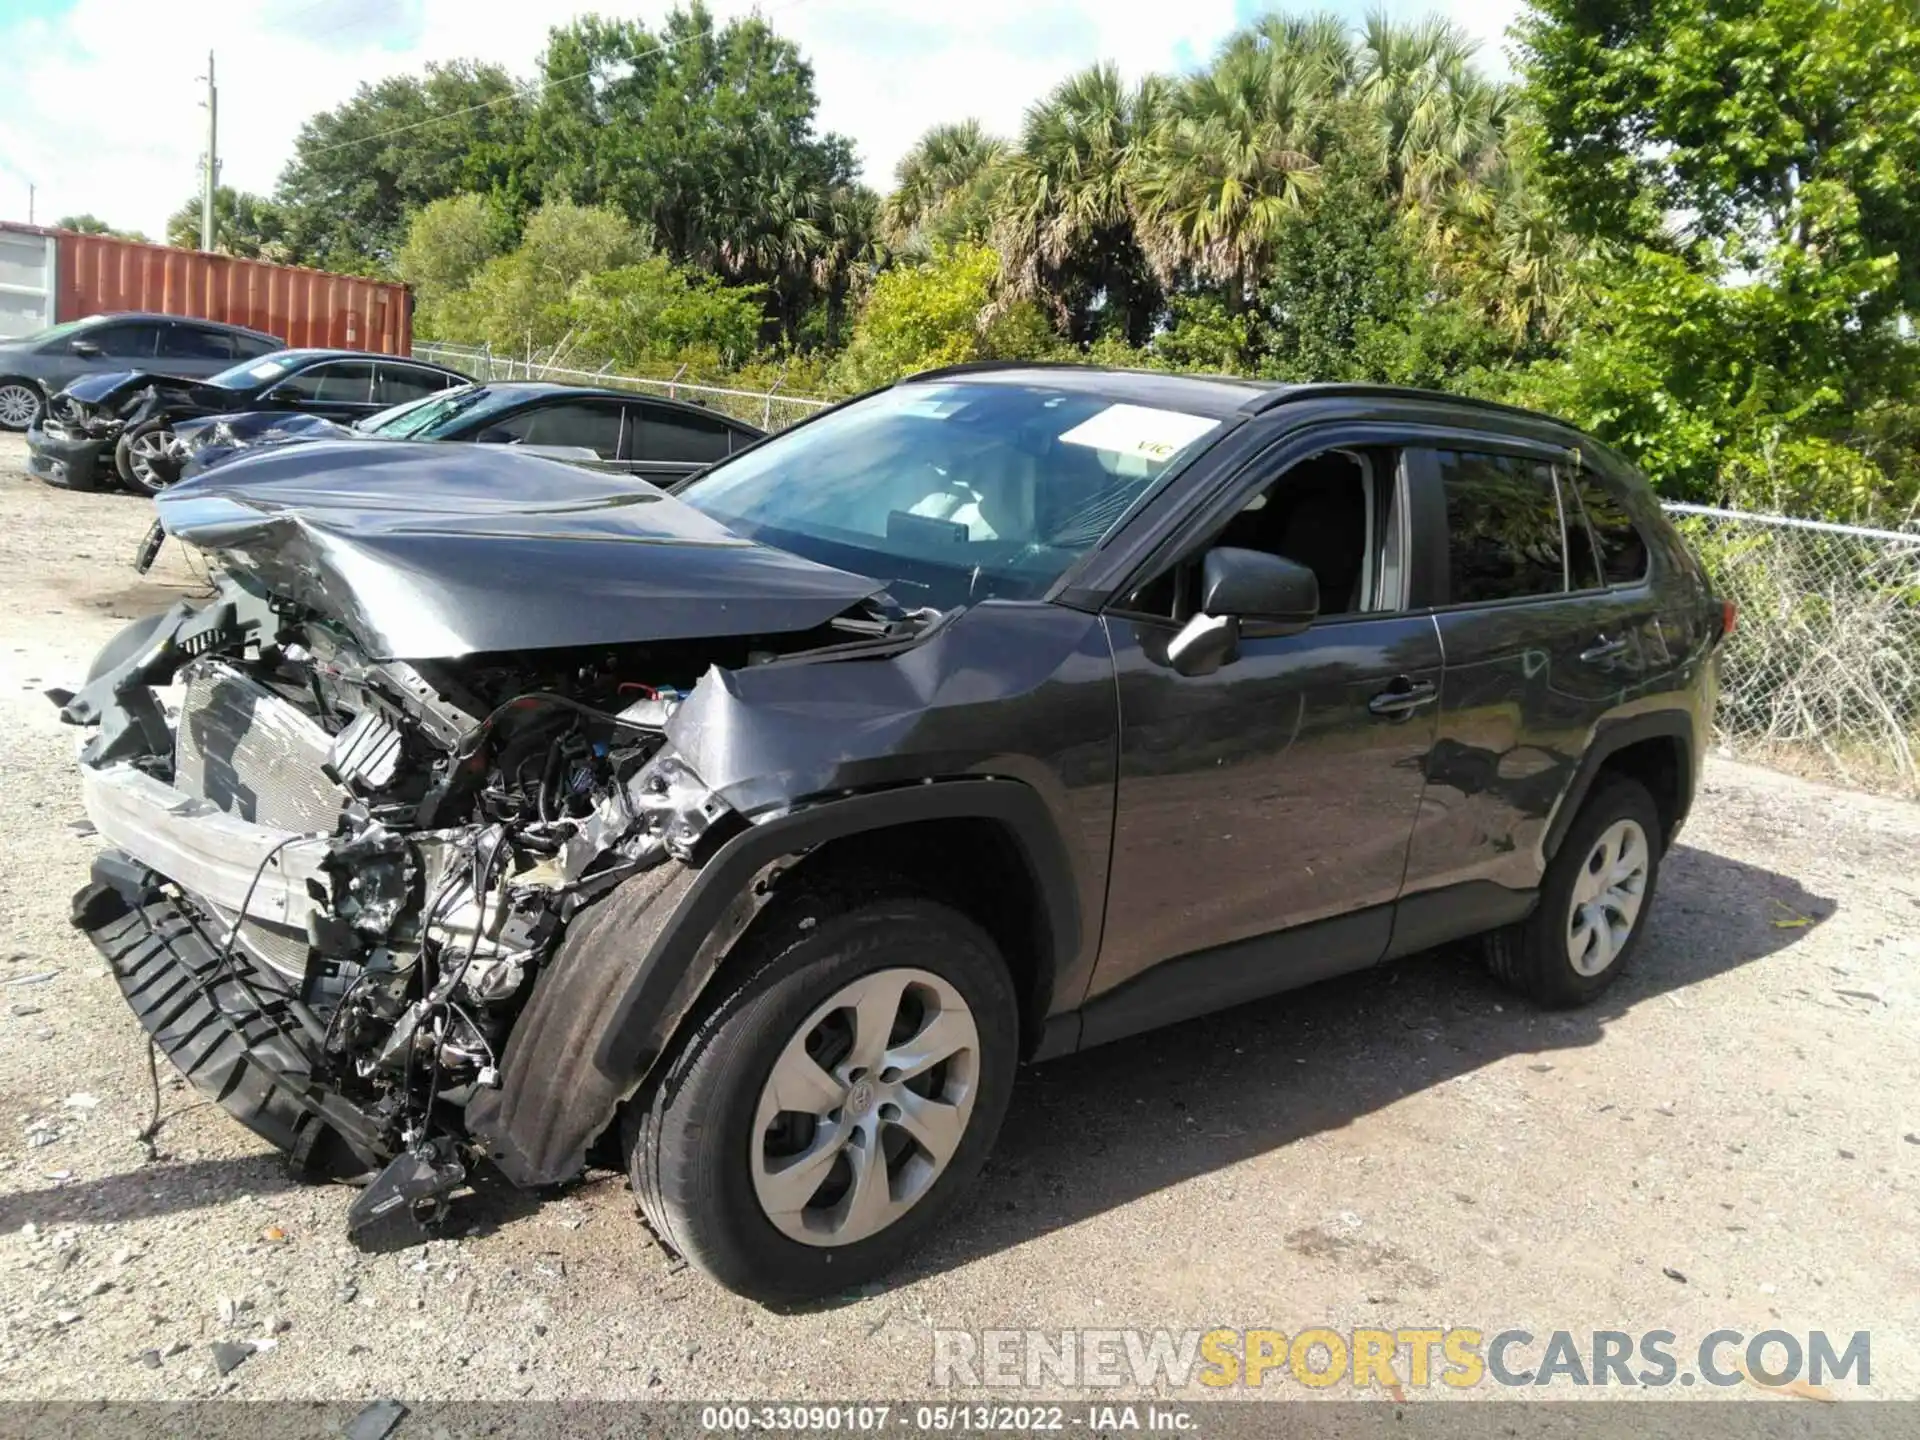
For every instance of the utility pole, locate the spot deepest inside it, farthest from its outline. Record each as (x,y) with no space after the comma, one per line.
(211,176)
(29,202)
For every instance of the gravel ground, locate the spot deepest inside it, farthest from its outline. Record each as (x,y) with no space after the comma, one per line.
(1731,1138)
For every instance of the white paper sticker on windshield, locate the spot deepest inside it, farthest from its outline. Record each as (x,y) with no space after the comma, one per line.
(1140,430)
(266,370)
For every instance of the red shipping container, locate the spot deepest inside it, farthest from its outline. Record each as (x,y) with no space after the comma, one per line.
(97,274)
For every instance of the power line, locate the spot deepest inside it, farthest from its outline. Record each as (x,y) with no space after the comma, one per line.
(524,92)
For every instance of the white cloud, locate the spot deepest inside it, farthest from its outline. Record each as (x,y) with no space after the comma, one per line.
(101,108)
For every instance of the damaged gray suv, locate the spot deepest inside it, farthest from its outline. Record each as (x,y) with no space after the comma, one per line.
(496,812)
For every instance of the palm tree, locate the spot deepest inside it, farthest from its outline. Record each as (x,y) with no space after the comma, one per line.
(943,187)
(1507,247)
(1443,122)
(1238,150)
(1067,231)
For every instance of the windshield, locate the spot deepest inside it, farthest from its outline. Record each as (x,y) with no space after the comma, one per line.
(952,493)
(250,374)
(409,415)
(52,332)
(420,417)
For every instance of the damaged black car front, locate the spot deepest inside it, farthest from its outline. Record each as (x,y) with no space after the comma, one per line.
(84,438)
(485,790)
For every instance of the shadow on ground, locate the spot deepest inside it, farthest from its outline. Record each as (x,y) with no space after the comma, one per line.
(1098,1130)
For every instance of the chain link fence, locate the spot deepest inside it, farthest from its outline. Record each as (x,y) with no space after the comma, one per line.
(1822,672)
(1821,675)
(769,409)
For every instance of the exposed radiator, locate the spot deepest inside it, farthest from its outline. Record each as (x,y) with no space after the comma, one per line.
(245,750)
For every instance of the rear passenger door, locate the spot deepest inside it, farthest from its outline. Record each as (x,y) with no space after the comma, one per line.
(1537,646)
(665,444)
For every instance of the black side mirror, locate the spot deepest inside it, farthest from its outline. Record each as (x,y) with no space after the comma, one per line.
(85,349)
(1243,587)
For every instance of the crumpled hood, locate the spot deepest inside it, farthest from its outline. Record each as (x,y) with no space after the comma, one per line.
(432,551)
(112,384)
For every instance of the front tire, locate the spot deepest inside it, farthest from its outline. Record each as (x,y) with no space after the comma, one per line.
(1593,902)
(834,1103)
(144,457)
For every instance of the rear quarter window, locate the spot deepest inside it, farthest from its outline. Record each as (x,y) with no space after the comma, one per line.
(1619,550)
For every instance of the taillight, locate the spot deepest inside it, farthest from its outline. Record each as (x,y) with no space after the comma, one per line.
(1729,617)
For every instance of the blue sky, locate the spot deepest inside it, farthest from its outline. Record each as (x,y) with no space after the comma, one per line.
(101,109)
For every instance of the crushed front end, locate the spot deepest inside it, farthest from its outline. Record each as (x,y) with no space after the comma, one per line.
(331,880)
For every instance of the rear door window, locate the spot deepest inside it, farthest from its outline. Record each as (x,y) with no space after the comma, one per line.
(581,424)
(190,342)
(337,382)
(659,433)
(1504,534)
(252,347)
(397,384)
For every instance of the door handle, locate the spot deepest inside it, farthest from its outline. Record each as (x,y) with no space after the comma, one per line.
(1604,649)
(1403,698)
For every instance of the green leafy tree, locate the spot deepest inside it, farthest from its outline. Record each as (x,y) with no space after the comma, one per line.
(653,312)
(1745,169)
(704,135)
(520,303)
(360,170)
(919,317)
(244,224)
(448,240)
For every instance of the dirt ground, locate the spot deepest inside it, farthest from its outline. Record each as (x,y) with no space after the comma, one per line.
(1731,1139)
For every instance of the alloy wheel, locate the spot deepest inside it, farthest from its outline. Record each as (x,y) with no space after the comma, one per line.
(1606,896)
(19,406)
(865,1107)
(148,459)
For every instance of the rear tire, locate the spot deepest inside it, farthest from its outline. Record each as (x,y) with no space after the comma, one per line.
(732,1133)
(1593,904)
(20,404)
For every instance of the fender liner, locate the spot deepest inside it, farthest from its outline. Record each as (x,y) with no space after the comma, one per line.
(1610,737)
(631,969)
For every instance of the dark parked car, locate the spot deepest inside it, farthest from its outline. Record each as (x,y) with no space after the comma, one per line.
(37,366)
(658,439)
(127,418)
(750,836)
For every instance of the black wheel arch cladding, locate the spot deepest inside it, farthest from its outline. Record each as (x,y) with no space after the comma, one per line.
(633,967)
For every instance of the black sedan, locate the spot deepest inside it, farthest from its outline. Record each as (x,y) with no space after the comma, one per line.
(660,440)
(125,419)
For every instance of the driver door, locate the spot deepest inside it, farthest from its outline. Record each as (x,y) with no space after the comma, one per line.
(1264,810)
